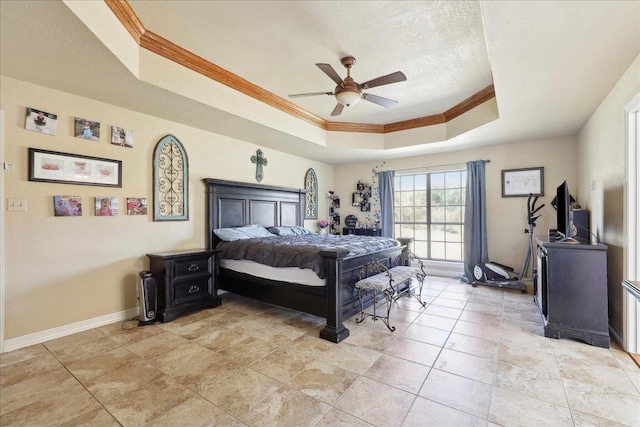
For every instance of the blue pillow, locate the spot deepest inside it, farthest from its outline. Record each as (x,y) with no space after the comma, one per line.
(289,230)
(240,233)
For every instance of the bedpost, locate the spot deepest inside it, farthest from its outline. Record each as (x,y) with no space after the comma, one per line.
(405,241)
(335,330)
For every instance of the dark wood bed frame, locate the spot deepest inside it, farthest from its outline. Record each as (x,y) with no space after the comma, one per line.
(234,204)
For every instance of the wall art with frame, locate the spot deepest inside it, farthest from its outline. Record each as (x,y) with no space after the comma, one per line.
(67,205)
(522,182)
(41,121)
(170,181)
(66,168)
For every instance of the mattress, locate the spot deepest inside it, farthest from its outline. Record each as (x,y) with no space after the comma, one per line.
(301,276)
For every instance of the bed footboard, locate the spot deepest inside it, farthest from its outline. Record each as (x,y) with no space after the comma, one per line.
(342,298)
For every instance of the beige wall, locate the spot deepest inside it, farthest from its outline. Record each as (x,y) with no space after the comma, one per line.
(601,178)
(61,270)
(507,217)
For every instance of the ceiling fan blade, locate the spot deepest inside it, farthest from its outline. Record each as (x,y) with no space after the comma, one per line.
(385,102)
(299,95)
(338,110)
(396,77)
(329,71)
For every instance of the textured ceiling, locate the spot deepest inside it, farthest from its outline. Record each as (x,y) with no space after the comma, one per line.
(439,46)
(552,63)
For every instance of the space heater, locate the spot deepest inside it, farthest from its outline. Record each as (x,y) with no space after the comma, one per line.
(147,298)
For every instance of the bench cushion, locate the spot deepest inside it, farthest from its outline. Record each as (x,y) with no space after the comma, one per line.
(380,281)
(401,273)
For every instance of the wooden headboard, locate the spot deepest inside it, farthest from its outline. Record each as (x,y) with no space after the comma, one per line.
(234,204)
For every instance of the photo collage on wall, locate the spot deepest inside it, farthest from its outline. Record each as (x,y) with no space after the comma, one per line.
(104,206)
(41,121)
(52,167)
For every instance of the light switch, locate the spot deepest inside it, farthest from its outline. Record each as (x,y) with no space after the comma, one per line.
(17,204)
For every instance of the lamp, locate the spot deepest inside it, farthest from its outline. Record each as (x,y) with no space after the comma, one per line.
(348,96)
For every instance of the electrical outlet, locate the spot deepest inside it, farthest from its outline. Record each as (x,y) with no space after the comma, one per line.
(593,184)
(17,204)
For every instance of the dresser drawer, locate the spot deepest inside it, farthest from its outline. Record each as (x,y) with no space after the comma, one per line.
(190,290)
(191,266)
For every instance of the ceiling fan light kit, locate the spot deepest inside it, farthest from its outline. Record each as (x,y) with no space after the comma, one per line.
(349,92)
(348,97)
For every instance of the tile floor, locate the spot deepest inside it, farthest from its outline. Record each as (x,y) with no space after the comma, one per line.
(472,357)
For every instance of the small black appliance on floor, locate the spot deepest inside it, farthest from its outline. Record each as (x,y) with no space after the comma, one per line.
(147,298)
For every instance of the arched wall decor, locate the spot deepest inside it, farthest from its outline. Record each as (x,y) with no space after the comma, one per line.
(170,181)
(311,198)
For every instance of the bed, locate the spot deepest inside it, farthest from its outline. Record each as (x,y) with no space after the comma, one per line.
(235,204)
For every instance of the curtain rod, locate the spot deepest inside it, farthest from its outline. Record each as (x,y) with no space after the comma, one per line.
(434,166)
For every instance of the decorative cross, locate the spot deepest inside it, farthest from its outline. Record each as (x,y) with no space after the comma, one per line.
(260,161)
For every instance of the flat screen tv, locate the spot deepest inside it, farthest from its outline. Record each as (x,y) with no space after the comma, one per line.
(564,212)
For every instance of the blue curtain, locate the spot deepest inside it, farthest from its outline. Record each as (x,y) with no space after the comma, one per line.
(475,219)
(385,190)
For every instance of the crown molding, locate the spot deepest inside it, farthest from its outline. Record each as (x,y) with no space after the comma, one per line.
(159,45)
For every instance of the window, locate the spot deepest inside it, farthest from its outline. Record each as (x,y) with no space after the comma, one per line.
(429,207)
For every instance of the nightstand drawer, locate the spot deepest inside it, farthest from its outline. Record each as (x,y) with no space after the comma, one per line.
(191,266)
(194,289)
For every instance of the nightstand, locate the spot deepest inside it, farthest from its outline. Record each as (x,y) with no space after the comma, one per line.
(186,281)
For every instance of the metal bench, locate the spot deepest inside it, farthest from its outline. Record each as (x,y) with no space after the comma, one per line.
(386,282)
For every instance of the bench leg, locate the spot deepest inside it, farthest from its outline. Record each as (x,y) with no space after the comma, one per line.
(385,319)
(419,296)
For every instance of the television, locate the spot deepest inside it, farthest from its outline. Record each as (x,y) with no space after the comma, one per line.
(564,213)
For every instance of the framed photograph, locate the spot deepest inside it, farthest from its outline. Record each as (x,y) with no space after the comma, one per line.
(67,205)
(87,129)
(522,182)
(64,168)
(121,136)
(136,206)
(106,206)
(41,121)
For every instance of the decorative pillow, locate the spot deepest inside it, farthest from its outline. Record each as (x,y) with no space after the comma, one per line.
(240,233)
(289,230)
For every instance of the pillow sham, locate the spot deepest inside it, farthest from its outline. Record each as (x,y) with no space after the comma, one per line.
(239,233)
(289,230)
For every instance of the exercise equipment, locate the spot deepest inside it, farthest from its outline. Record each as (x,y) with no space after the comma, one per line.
(503,276)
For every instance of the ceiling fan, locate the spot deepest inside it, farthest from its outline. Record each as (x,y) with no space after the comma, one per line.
(349,92)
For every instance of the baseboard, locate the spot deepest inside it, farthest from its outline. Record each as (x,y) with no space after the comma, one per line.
(613,333)
(62,331)
(443,268)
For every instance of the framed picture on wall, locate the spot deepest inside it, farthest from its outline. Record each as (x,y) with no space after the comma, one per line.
(136,206)
(41,121)
(106,206)
(522,182)
(67,205)
(64,168)
(121,136)
(86,129)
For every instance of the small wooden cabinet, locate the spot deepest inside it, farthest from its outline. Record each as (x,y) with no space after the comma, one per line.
(571,291)
(186,281)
